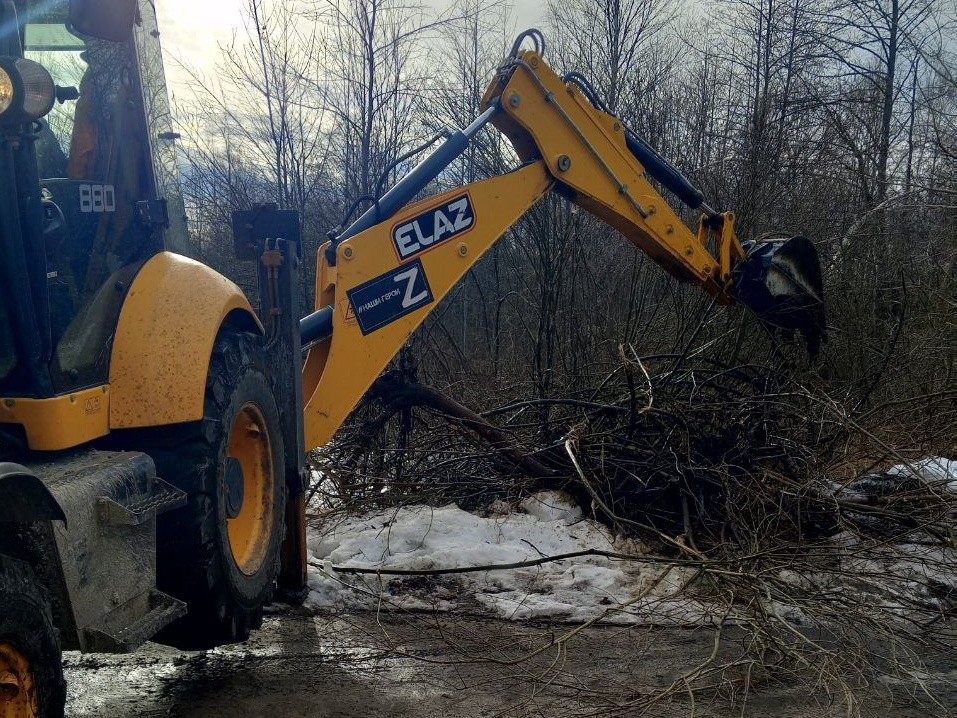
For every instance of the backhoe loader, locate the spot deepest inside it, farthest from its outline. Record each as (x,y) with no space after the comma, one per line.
(153,424)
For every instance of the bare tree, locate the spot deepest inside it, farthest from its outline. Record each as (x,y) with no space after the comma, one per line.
(617,43)
(374,78)
(871,43)
(258,132)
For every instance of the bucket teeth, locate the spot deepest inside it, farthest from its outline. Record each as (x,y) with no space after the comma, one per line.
(780,281)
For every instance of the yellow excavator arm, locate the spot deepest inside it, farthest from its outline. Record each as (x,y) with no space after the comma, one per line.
(586,150)
(379,279)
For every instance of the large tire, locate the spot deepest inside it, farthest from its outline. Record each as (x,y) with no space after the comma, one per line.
(31,672)
(219,555)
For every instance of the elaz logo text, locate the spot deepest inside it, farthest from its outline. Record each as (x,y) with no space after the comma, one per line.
(433,227)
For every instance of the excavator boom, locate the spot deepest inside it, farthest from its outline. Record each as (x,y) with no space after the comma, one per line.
(380,278)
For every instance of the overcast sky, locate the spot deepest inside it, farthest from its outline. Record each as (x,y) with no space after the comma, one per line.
(193,30)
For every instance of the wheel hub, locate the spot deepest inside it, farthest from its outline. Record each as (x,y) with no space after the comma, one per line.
(235,489)
(249,510)
(18,695)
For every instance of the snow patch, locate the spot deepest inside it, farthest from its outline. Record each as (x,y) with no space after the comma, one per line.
(552,506)
(420,538)
(932,469)
(425,538)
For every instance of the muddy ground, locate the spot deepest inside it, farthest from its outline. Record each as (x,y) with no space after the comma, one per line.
(423,666)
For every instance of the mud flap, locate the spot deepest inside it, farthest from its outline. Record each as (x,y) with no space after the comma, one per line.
(780,281)
(101,570)
(24,498)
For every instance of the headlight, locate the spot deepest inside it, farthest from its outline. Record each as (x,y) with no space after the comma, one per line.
(27,91)
(39,92)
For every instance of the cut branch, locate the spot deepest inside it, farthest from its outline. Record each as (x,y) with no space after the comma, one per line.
(402,394)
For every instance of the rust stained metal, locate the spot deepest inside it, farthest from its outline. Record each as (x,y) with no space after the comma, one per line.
(164,339)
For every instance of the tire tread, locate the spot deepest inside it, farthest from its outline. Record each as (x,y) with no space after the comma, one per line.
(189,557)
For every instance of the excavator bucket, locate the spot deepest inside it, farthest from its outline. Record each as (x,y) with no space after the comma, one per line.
(780,280)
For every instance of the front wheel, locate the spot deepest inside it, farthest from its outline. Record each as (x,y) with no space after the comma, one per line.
(31,673)
(220,552)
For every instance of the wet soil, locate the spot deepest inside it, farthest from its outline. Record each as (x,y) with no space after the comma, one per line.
(427,666)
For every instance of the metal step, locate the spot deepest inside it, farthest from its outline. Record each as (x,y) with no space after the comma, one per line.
(161,497)
(135,622)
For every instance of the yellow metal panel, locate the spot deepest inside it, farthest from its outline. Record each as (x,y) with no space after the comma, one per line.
(586,150)
(164,340)
(355,360)
(61,422)
(325,295)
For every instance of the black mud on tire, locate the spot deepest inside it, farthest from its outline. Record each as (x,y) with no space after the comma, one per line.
(194,559)
(26,623)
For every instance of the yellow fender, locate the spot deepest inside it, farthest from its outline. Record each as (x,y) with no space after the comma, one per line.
(164,339)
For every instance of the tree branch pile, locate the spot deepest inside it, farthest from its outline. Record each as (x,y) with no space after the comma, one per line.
(773,497)
(689,452)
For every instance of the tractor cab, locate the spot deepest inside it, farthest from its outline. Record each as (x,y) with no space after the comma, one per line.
(90,184)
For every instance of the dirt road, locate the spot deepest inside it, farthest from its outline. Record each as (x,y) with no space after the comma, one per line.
(421,666)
